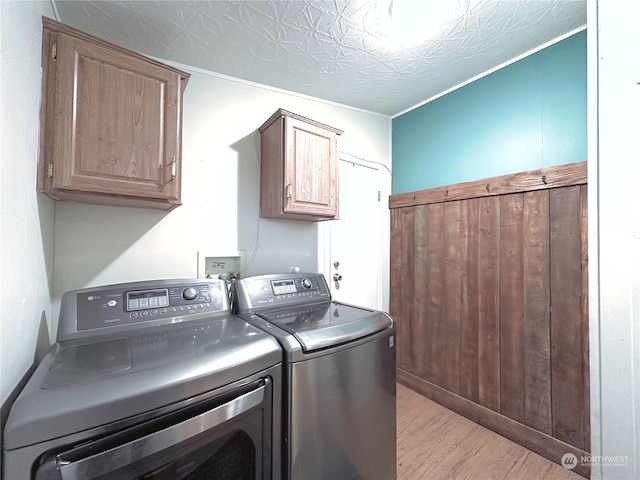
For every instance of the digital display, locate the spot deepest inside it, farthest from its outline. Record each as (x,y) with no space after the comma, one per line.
(147,299)
(283,286)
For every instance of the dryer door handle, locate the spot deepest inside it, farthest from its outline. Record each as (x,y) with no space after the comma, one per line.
(140,448)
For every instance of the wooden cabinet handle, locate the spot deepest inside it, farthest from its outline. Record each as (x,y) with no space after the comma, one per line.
(289,191)
(173,169)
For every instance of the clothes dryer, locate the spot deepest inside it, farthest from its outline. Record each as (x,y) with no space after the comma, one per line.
(152,380)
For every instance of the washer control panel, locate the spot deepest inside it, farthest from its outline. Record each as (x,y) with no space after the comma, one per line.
(295,286)
(166,301)
(262,291)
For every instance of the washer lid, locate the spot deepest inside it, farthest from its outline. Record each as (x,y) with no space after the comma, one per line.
(328,324)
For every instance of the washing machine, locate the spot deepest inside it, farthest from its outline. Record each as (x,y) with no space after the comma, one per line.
(153,380)
(339,386)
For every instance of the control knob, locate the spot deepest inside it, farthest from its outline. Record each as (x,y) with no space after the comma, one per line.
(306,283)
(190,293)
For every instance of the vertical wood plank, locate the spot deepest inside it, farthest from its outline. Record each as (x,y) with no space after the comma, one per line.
(395,275)
(566,318)
(469,218)
(404,292)
(434,290)
(420,339)
(489,303)
(584,251)
(395,266)
(511,308)
(451,337)
(395,249)
(537,351)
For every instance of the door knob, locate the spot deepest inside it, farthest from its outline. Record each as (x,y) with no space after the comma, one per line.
(337,277)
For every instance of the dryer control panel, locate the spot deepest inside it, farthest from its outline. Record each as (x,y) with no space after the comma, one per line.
(123,306)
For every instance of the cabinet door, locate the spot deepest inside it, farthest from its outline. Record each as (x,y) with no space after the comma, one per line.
(117,123)
(310,171)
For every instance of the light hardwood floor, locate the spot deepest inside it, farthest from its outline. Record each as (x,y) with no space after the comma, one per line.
(435,443)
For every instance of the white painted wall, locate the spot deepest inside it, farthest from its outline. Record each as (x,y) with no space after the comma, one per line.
(26,218)
(614,237)
(96,245)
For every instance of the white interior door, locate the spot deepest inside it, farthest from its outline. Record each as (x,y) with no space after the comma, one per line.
(354,251)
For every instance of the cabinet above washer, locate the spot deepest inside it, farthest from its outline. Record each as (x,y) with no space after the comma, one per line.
(111,123)
(298,168)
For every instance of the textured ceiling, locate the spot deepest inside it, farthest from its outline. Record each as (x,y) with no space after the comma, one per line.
(344,51)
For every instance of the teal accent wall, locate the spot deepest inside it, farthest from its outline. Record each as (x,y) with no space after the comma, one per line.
(527,115)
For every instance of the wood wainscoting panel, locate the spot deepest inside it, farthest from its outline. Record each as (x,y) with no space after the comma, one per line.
(568,399)
(469,324)
(452,298)
(537,298)
(489,295)
(512,341)
(489,303)
(433,291)
(402,223)
(584,311)
(419,335)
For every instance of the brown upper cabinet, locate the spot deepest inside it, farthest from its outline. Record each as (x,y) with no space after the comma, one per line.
(299,168)
(111,123)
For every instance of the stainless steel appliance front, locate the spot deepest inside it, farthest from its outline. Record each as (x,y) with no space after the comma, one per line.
(339,388)
(227,436)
